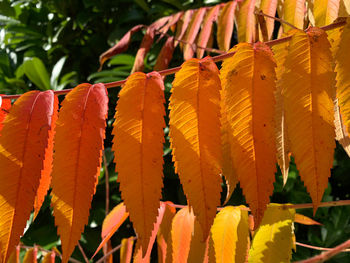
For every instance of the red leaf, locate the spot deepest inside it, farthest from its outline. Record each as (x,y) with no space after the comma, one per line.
(45,179)
(5,105)
(192,32)
(225,25)
(78,149)
(120,47)
(165,55)
(21,162)
(182,25)
(206,30)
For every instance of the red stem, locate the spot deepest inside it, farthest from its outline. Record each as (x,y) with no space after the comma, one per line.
(174,70)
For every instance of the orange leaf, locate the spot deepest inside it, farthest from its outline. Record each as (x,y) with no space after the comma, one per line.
(45,179)
(246,21)
(343,79)
(21,162)
(269,7)
(111,224)
(120,47)
(225,25)
(30,256)
(341,135)
(182,25)
(301,219)
(192,32)
(293,12)
(181,234)
(138,146)
(164,234)
(283,152)
(248,79)
(126,249)
(172,21)
(325,11)
(80,132)
(198,247)
(195,136)
(207,29)
(49,257)
(5,105)
(308,90)
(165,55)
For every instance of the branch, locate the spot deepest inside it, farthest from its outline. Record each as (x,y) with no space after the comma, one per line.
(111,252)
(288,206)
(83,253)
(318,248)
(327,255)
(260,13)
(176,69)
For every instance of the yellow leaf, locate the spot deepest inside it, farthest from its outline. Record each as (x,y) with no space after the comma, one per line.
(78,149)
(273,240)
(293,12)
(246,21)
(343,78)
(21,163)
(308,90)
(325,11)
(248,79)
(126,249)
(269,7)
(30,256)
(198,246)
(195,136)
(138,146)
(230,234)
(341,134)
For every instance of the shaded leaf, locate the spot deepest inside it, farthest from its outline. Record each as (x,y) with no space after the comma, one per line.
(195,136)
(273,240)
(341,134)
(269,7)
(80,132)
(21,162)
(182,25)
(165,55)
(30,256)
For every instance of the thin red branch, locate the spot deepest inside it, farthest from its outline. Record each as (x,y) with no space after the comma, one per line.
(328,254)
(318,248)
(286,206)
(176,69)
(83,253)
(111,252)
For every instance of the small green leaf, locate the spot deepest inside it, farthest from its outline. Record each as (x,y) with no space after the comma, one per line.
(35,70)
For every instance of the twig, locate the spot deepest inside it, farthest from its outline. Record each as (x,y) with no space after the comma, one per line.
(327,255)
(111,252)
(318,248)
(288,206)
(193,45)
(83,253)
(105,164)
(277,19)
(263,28)
(176,69)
